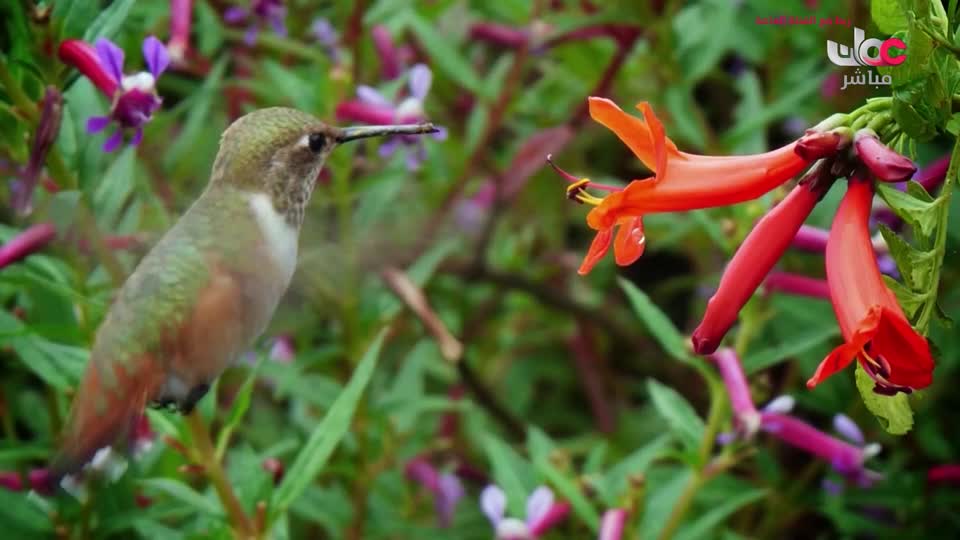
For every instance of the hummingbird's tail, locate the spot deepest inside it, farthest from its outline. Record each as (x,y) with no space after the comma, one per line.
(107,403)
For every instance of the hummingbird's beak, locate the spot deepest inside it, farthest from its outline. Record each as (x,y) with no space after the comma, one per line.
(362,132)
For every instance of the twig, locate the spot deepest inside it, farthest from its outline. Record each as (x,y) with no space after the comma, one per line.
(398,281)
(488,401)
(201,439)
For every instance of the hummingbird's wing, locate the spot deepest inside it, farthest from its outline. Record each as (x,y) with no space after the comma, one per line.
(176,323)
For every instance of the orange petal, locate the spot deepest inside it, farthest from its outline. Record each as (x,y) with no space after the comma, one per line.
(659,138)
(629,243)
(598,248)
(630,129)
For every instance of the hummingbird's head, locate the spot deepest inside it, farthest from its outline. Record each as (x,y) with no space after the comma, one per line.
(280,151)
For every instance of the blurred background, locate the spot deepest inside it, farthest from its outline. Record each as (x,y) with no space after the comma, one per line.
(499,365)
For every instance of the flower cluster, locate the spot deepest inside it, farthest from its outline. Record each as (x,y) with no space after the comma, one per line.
(133,98)
(875,329)
(846,458)
(372,107)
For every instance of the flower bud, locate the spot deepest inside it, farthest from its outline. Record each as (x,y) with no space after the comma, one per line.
(816,144)
(883,162)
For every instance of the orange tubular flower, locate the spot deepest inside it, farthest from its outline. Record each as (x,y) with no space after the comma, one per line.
(874,328)
(681,181)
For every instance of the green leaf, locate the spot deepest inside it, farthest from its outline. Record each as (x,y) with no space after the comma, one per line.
(893,412)
(614,483)
(656,322)
(888,15)
(184,493)
(923,215)
(24,517)
(108,23)
(511,472)
(241,403)
(540,448)
(799,343)
(328,433)
(704,523)
(677,411)
(915,266)
(445,54)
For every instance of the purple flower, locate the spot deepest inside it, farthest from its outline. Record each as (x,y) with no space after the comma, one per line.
(446,488)
(846,459)
(134,97)
(260,14)
(327,36)
(372,107)
(746,418)
(542,513)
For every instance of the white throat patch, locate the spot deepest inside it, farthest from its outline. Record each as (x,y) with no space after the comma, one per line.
(281,237)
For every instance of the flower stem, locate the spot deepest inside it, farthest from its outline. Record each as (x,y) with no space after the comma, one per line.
(203,444)
(704,472)
(17,95)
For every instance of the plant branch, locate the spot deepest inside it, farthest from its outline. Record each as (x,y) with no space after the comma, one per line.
(242,525)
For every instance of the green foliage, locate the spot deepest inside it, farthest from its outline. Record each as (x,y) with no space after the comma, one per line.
(585,385)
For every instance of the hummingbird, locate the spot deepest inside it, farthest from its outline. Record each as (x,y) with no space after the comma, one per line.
(210,286)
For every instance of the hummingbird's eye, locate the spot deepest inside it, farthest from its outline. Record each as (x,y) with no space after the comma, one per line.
(317,141)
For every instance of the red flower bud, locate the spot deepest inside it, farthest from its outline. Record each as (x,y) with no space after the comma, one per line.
(883,162)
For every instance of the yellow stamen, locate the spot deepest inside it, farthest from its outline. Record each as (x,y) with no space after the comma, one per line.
(577,191)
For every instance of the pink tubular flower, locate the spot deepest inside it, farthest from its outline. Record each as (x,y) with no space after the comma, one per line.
(612,524)
(181,15)
(810,238)
(134,97)
(542,513)
(29,241)
(39,480)
(756,256)
(785,282)
(745,415)
(387,52)
(845,458)
(498,34)
(942,474)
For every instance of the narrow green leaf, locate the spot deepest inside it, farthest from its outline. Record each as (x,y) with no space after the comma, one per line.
(328,433)
(798,344)
(704,523)
(615,482)
(511,472)
(108,23)
(540,448)
(915,266)
(893,412)
(22,516)
(183,493)
(659,325)
(240,405)
(677,411)
(445,55)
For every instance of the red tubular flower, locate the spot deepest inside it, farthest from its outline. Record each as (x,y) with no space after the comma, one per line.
(875,330)
(770,237)
(82,56)
(681,181)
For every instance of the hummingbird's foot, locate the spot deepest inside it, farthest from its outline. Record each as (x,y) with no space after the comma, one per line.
(196,394)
